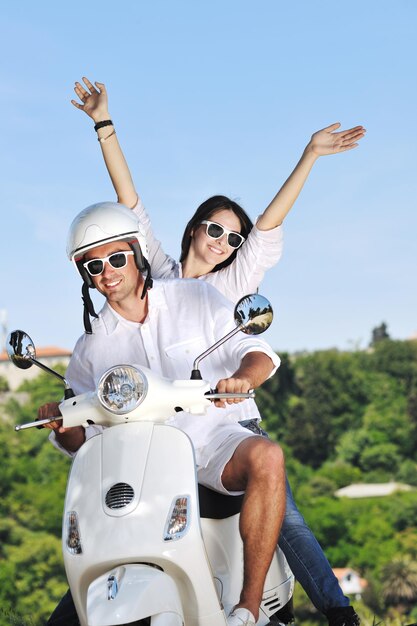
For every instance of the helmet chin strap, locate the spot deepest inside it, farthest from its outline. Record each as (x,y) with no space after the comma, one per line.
(88,308)
(148,280)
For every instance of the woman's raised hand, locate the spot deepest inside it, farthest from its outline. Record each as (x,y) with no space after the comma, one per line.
(328,141)
(93,98)
(325,141)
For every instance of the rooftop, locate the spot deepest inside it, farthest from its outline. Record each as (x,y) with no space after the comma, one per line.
(43,353)
(371,490)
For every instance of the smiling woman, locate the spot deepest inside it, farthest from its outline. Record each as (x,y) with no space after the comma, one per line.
(212,244)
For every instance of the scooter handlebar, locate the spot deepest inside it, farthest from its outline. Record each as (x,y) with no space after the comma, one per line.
(211,395)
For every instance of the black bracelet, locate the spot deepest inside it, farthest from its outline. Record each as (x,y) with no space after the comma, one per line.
(103,124)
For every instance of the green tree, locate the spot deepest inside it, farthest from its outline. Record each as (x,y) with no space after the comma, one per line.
(383,456)
(379,333)
(412,413)
(332,395)
(398,359)
(32,491)
(387,414)
(407,472)
(273,398)
(341,473)
(399,588)
(32,578)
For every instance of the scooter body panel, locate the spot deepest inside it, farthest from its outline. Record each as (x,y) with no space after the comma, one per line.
(139,590)
(157,462)
(224,548)
(198,577)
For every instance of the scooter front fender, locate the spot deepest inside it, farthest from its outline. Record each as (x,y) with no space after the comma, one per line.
(132,592)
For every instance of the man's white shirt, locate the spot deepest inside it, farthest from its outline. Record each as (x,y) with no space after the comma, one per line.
(185,317)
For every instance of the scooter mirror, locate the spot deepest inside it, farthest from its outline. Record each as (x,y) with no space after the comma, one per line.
(22,353)
(21,349)
(253,314)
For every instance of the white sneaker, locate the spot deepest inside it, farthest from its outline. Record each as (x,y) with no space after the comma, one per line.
(241,617)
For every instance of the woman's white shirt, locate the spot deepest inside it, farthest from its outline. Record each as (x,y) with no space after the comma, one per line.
(261,251)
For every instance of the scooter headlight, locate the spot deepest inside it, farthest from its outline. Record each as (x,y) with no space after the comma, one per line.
(121,389)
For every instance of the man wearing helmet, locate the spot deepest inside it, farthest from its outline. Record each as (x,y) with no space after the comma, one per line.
(163,328)
(99,225)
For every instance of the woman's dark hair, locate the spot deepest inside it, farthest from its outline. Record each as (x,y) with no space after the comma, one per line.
(204,212)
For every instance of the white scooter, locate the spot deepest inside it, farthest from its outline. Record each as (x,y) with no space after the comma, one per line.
(138,546)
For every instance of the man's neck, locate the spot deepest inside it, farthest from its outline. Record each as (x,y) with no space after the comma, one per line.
(133,310)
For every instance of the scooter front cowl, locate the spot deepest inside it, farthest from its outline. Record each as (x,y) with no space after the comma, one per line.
(134,592)
(123,487)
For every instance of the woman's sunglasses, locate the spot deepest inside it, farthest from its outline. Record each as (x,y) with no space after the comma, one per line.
(215,231)
(117,260)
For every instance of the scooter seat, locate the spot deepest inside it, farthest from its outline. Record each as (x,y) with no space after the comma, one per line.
(215,505)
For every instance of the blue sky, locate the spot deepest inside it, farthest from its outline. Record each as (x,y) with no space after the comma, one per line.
(218,97)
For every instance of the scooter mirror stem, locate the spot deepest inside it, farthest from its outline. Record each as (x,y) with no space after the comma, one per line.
(195,374)
(68,391)
(253,315)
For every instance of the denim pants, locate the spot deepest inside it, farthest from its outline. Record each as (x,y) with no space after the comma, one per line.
(307,560)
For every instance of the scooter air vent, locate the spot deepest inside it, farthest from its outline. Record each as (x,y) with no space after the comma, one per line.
(119,496)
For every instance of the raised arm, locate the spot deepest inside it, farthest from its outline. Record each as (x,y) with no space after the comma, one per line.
(95,105)
(325,141)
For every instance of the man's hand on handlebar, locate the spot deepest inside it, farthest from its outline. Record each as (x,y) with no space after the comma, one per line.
(51,409)
(232,385)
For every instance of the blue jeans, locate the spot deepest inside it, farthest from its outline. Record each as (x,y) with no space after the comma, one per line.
(307,560)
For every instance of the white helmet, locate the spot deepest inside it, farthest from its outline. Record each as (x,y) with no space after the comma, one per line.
(103,223)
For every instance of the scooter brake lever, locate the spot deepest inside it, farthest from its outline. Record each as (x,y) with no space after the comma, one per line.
(214,395)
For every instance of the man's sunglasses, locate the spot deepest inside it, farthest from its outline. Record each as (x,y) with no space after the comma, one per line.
(215,231)
(117,260)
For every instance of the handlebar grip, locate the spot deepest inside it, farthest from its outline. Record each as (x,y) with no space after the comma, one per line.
(37,424)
